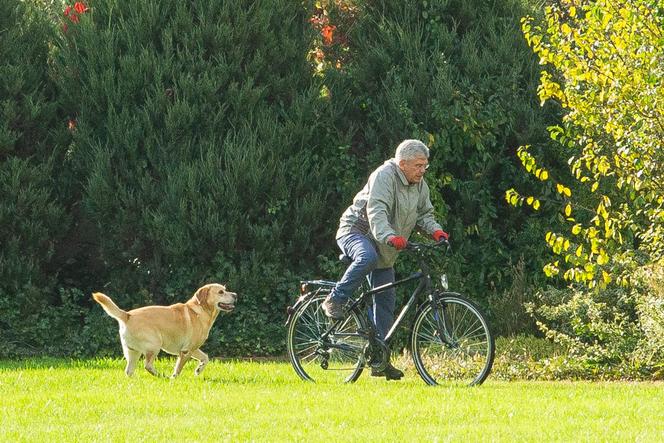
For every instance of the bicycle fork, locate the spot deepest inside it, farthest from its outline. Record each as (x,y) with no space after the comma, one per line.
(441,316)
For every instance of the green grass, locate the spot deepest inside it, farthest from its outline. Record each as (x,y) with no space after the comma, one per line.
(61,400)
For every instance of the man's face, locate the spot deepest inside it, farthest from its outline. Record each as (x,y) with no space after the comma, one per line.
(414,169)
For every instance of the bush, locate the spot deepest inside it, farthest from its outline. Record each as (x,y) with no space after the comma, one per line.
(509,315)
(615,330)
(457,75)
(32,215)
(649,299)
(167,145)
(597,328)
(524,357)
(201,149)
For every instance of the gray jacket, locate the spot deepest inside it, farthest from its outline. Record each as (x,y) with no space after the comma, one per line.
(389,205)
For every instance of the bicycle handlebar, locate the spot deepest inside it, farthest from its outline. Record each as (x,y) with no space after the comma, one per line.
(415,246)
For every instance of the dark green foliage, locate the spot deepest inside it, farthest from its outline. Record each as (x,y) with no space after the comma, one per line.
(458,75)
(31,215)
(198,145)
(203,146)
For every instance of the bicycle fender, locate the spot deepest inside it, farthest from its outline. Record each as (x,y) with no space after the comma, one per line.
(292,309)
(301,300)
(437,295)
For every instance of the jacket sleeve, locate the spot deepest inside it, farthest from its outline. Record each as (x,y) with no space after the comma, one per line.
(425,213)
(380,203)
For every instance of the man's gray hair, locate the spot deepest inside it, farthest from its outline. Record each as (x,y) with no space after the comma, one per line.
(410,149)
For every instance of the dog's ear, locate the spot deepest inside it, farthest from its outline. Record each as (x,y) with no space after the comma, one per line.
(202,294)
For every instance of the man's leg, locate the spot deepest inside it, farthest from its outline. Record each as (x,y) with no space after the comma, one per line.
(381,311)
(363,253)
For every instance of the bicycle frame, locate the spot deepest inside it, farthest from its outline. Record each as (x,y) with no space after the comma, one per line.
(423,287)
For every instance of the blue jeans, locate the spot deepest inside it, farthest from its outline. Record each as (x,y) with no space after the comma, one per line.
(362,251)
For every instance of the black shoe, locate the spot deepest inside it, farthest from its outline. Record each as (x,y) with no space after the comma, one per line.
(390,373)
(334,308)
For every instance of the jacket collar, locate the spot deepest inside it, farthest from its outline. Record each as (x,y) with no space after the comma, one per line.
(400,174)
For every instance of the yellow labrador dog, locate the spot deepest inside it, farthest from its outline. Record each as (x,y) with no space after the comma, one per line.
(179,329)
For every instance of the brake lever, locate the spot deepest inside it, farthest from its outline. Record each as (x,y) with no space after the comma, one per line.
(443,242)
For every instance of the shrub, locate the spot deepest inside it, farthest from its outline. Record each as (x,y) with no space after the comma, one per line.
(508,311)
(32,214)
(524,357)
(456,74)
(200,144)
(594,328)
(649,299)
(607,331)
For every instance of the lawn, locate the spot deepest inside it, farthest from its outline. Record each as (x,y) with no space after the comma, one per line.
(92,400)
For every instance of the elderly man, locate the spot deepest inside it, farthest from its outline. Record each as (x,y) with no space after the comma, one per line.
(376,226)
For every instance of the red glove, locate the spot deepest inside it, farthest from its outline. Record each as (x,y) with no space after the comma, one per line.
(398,242)
(440,234)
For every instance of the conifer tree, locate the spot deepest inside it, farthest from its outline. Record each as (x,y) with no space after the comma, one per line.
(457,75)
(31,133)
(198,144)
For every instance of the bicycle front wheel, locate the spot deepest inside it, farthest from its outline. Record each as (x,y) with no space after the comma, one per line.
(337,357)
(451,342)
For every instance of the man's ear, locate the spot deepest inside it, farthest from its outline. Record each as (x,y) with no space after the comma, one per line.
(202,294)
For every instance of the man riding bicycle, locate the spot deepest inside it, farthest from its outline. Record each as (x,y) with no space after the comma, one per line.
(376,227)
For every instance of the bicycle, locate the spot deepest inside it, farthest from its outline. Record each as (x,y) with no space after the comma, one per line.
(449,341)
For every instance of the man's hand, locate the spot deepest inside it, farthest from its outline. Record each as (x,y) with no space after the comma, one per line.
(440,234)
(397,241)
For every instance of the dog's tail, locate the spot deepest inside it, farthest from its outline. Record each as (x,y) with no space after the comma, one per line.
(110,307)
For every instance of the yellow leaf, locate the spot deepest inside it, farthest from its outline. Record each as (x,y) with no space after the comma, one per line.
(536,205)
(544,175)
(568,210)
(576,229)
(530,199)
(602,258)
(606,277)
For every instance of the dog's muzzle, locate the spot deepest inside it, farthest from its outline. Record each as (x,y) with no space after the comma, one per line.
(226,307)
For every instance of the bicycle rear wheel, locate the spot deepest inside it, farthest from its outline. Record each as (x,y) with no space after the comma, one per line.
(336,358)
(451,342)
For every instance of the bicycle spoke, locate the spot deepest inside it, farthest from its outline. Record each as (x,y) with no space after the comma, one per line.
(462,353)
(335,357)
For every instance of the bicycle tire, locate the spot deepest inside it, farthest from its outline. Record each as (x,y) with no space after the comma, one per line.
(465,353)
(312,358)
